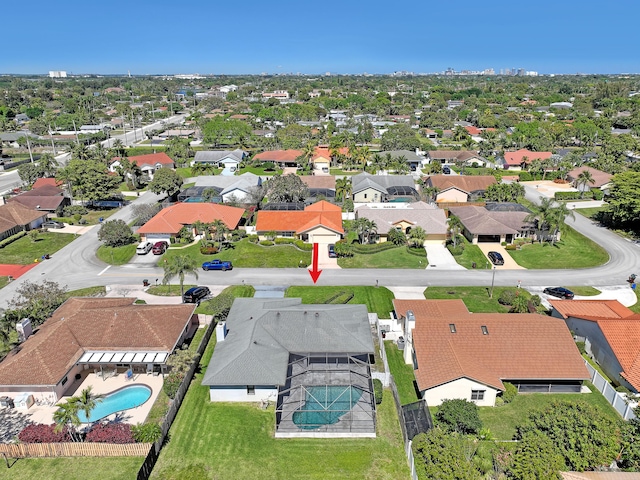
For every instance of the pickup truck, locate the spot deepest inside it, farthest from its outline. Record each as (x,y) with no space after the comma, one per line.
(217,265)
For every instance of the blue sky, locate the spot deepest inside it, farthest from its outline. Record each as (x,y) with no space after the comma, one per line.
(233,37)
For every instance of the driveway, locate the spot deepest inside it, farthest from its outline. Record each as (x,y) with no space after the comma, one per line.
(548,188)
(148,260)
(624,294)
(440,258)
(77,229)
(509,263)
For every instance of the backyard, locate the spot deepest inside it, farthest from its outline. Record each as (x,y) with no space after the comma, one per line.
(377,299)
(393,258)
(24,251)
(78,468)
(227,440)
(402,373)
(475,298)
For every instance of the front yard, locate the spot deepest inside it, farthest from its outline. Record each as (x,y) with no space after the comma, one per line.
(116,255)
(394,258)
(91,218)
(377,299)
(470,255)
(24,251)
(475,298)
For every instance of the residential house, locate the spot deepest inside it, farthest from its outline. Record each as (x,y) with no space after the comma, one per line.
(180,133)
(95,333)
(521,159)
(166,224)
(306,359)
(321,161)
(368,188)
(457,157)
(278,94)
(321,187)
(282,158)
(413,159)
(41,182)
(612,336)
(229,160)
(404,217)
(462,355)
(226,189)
(495,222)
(46,198)
(148,164)
(15,218)
(601,179)
(459,188)
(320,223)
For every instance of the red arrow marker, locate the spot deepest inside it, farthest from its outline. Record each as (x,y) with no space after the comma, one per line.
(314,272)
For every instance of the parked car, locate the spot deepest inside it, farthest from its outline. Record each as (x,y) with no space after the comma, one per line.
(559,292)
(332,251)
(496,258)
(217,265)
(446,170)
(52,224)
(143,248)
(195,294)
(159,248)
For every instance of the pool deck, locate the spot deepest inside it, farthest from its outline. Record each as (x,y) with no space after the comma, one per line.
(44,413)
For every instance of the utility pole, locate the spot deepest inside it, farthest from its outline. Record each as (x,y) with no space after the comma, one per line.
(493,278)
(53,145)
(76,132)
(29,147)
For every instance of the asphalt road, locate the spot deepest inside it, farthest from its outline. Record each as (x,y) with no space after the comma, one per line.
(136,135)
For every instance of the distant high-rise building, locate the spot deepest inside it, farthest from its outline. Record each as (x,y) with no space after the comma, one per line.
(57,74)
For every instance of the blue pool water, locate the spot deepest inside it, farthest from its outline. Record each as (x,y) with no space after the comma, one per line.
(123,399)
(325,405)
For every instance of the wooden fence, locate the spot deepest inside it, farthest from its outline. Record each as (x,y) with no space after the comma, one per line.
(26,450)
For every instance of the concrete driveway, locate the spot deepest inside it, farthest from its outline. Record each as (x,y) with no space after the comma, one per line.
(548,188)
(440,258)
(623,293)
(148,260)
(509,263)
(77,229)
(324,261)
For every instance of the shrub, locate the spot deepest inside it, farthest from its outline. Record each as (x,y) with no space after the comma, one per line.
(373,247)
(110,433)
(570,195)
(510,392)
(459,416)
(307,247)
(499,401)
(284,241)
(115,233)
(208,250)
(597,194)
(171,384)
(253,238)
(581,347)
(417,251)
(456,251)
(507,297)
(40,433)
(146,432)
(510,247)
(535,300)
(377,390)
(71,210)
(12,239)
(504,244)
(525,177)
(266,243)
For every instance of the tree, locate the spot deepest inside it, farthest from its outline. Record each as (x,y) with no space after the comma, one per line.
(583,179)
(180,265)
(286,188)
(343,188)
(33,235)
(400,137)
(36,301)
(454,226)
(86,401)
(219,229)
(179,149)
(48,165)
(580,433)
(224,131)
(630,457)
(202,168)
(624,198)
(519,304)
(67,415)
(143,212)
(365,228)
(459,416)
(396,236)
(165,180)
(549,217)
(115,233)
(536,458)
(417,236)
(89,179)
(130,171)
(30,172)
(442,455)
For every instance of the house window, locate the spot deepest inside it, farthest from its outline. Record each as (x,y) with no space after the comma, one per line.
(477,395)
(452,327)
(287,234)
(64,380)
(251,390)
(365,195)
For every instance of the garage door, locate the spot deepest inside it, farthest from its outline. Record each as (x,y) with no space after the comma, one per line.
(489,238)
(158,237)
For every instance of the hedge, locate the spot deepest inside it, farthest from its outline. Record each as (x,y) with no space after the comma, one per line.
(12,239)
(208,250)
(418,252)
(595,194)
(372,247)
(307,247)
(377,390)
(284,241)
(266,243)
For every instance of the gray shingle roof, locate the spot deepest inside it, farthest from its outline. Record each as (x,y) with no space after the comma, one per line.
(432,219)
(244,181)
(362,181)
(214,156)
(263,332)
(407,154)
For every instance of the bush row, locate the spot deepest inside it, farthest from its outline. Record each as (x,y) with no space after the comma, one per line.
(12,239)
(417,251)
(372,247)
(100,433)
(594,194)
(377,390)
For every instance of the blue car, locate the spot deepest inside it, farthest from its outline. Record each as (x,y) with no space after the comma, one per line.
(217,265)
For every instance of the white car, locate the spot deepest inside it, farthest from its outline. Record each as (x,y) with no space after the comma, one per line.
(143,248)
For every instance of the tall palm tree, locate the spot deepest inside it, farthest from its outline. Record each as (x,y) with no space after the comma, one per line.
(583,179)
(48,164)
(343,188)
(557,220)
(180,265)
(454,225)
(67,415)
(219,229)
(87,401)
(80,151)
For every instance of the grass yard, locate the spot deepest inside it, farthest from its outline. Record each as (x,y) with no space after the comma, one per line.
(92,217)
(573,251)
(585,291)
(339,171)
(377,299)
(23,251)
(502,421)
(635,307)
(475,298)
(393,258)
(259,171)
(87,292)
(471,254)
(116,255)
(79,468)
(247,254)
(231,441)
(172,290)
(3,281)
(402,373)
(591,212)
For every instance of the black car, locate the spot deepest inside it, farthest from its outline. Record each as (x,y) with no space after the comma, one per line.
(559,292)
(332,251)
(496,258)
(446,170)
(195,294)
(52,224)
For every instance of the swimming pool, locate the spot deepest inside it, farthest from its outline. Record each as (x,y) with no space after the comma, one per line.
(324,405)
(117,401)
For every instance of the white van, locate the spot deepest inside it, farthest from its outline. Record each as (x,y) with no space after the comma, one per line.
(143,248)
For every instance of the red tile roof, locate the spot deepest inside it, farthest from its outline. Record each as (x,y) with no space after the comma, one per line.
(591,309)
(518,157)
(82,324)
(518,346)
(151,159)
(46,190)
(46,181)
(171,220)
(471,130)
(279,156)
(318,214)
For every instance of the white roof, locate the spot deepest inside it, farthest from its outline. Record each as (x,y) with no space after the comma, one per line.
(111,357)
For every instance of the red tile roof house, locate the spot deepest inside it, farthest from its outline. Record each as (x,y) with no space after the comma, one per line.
(320,223)
(148,164)
(94,333)
(282,158)
(462,355)
(15,218)
(612,336)
(521,158)
(166,224)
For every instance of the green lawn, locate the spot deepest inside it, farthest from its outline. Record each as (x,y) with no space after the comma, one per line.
(78,468)
(3,281)
(87,292)
(23,251)
(471,254)
(475,298)
(92,217)
(247,254)
(259,171)
(591,212)
(232,441)
(339,171)
(393,258)
(502,420)
(377,299)
(585,291)
(635,307)
(171,290)
(402,373)
(574,250)
(116,255)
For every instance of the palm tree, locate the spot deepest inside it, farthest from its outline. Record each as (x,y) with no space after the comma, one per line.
(454,225)
(180,265)
(219,231)
(79,151)
(201,168)
(48,164)
(583,179)
(87,401)
(365,227)
(119,148)
(417,236)
(557,218)
(67,415)
(100,153)
(400,165)
(550,217)
(343,188)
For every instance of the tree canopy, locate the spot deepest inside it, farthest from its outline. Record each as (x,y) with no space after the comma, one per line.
(286,188)
(165,180)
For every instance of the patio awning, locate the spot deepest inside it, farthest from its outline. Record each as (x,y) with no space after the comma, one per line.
(111,357)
